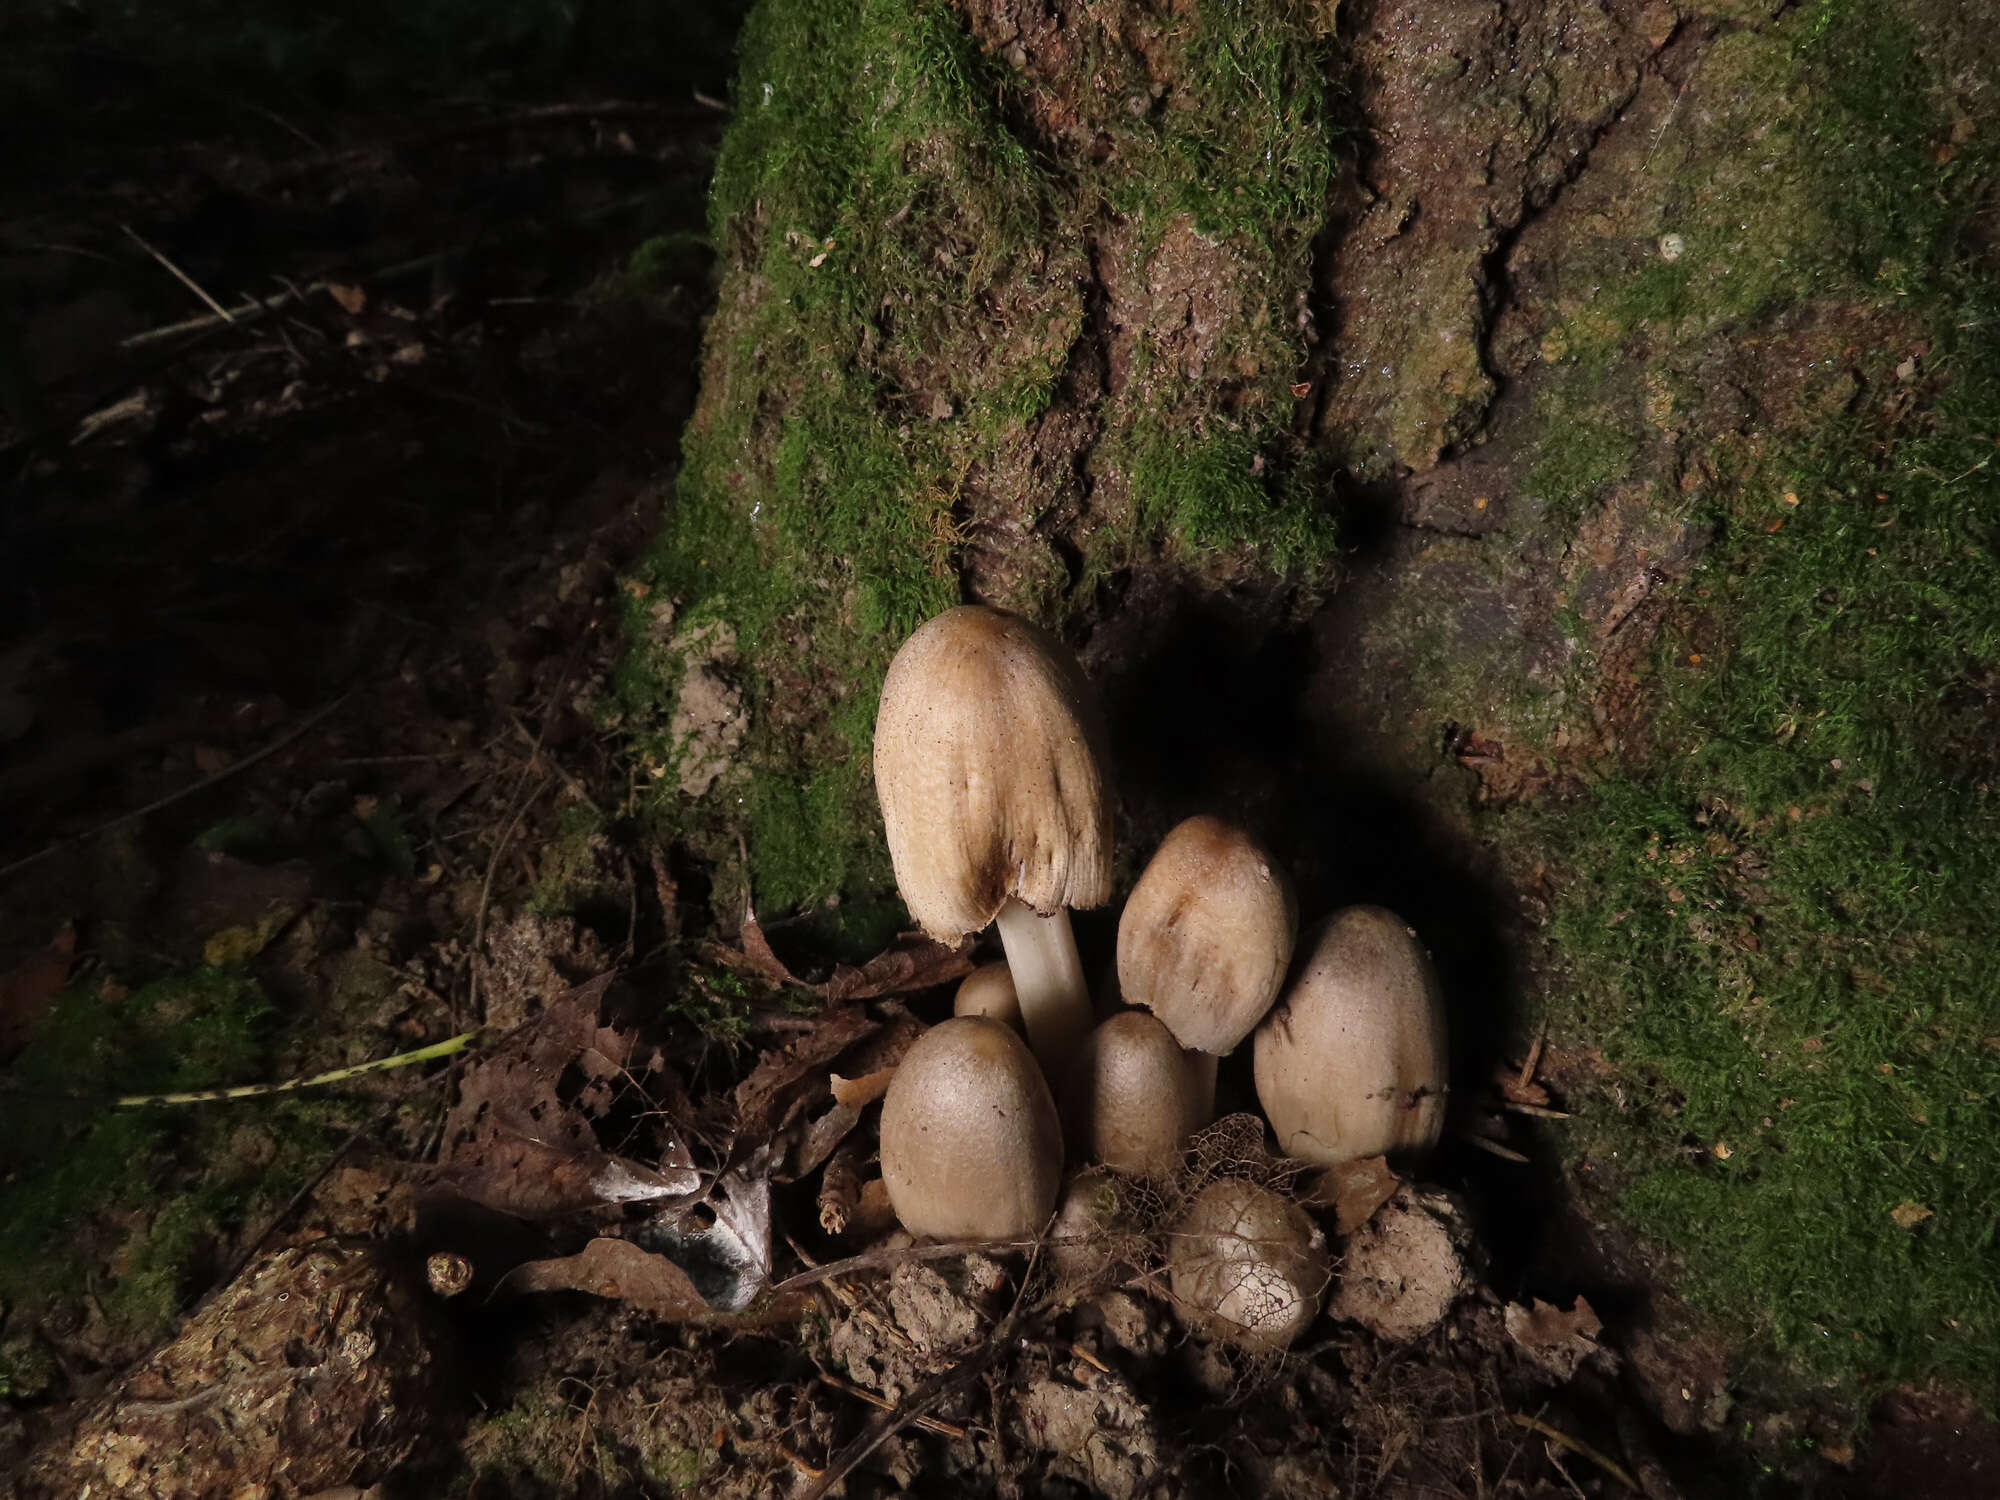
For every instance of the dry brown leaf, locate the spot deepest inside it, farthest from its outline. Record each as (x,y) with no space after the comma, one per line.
(352,299)
(514,1144)
(779,1086)
(620,1269)
(1556,1340)
(758,955)
(912,962)
(1354,1190)
(1909,1215)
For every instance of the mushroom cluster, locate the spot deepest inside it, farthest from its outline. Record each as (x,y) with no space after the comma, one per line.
(996,798)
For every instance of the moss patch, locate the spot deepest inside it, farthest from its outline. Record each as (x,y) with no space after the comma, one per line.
(1779,929)
(975,324)
(162,1189)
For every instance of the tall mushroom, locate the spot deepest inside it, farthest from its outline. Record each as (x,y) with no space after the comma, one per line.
(1352,1061)
(1204,942)
(971,1148)
(990,770)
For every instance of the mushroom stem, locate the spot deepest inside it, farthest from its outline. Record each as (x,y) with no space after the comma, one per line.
(1198,1078)
(1048,978)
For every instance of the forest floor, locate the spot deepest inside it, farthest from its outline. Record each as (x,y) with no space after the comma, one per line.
(353,698)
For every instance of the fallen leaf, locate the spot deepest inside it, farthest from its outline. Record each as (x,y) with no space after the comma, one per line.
(777,1089)
(1909,1215)
(723,1242)
(757,950)
(631,1274)
(352,299)
(514,1143)
(912,962)
(1553,1339)
(1354,1190)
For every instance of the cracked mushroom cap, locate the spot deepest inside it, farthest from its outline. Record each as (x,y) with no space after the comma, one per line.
(990,769)
(1126,1101)
(1352,1061)
(1207,935)
(1247,1265)
(971,1147)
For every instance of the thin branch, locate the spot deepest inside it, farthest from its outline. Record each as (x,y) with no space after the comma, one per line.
(179,275)
(932,1393)
(435,1050)
(296,732)
(1581,1449)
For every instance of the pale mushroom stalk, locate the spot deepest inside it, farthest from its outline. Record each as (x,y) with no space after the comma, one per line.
(1048,978)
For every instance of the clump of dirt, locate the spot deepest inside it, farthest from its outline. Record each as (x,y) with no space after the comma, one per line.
(321,1366)
(1406,1266)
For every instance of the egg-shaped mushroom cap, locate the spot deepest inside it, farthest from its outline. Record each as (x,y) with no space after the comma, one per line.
(1247,1264)
(1352,1061)
(1207,934)
(1127,1096)
(990,768)
(989,991)
(971,1147)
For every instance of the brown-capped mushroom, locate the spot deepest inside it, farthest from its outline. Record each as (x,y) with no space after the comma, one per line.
(990,770)
(1126,1099)
(971,1148)
(1247,1264)
(989,991)
(1204,942)
(1351,1062)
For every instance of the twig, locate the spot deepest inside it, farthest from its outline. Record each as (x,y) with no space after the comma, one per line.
(873,1259)
(799,1463)
(179,275)
(534,744)
(366,1127)
(1534,1056)
(1538,1111)
(862,1393)
(1581,1449)
(1090,1359)
(434,1051)
(933,1392)
(486,888)
(1505,1153)
(295,732)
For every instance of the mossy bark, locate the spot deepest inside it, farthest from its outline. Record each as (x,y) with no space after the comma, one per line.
(1611,327)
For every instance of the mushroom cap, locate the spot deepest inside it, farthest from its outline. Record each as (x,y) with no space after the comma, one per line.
(1207,935)
(989,991)
(1352,1063)
(1127,1096)
(971,1147)
(989,765)
(1247,1264)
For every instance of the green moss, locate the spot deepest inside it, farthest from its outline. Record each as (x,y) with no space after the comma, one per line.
(571,874)
(1588,444)
(1212,496)
(166,1181)
(1780,931)
(807,846)
(907,271)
